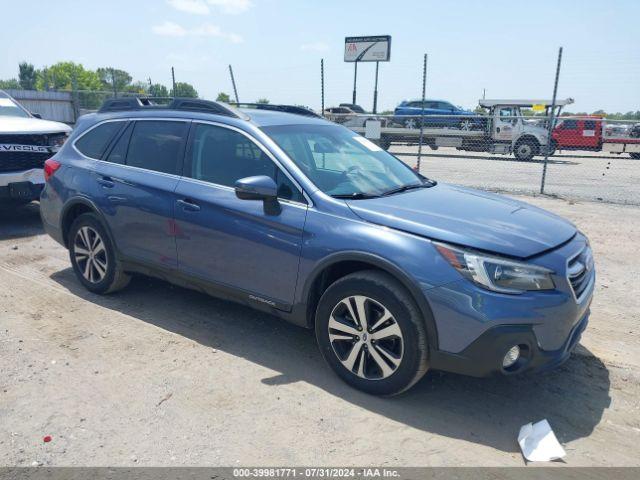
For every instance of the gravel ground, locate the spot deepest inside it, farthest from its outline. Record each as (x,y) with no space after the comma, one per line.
(591,176)
(158,375)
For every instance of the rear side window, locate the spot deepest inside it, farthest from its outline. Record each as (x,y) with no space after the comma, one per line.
(94,143)
(157,146)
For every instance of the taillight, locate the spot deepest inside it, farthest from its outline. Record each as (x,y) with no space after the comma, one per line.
(50,167)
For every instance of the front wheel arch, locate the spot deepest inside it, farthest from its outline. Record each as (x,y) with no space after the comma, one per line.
(338,265)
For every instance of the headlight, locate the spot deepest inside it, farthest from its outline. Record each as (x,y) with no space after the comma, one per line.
(57,141)
(495,273)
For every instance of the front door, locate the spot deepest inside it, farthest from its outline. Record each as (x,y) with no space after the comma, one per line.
(505,123)
(233,243)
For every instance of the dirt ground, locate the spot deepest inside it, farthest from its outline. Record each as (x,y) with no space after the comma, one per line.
(158,375)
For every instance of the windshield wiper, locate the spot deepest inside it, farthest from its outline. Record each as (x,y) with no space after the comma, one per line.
(405,188)
(355,196)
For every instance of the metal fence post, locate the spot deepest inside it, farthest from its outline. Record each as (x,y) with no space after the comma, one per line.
(424,92)
(551,122)
(75,97)
(233,82)
(375,91)
(322,86)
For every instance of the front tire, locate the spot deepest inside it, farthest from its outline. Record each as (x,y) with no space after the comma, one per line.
(371,333)
(526,149)
(93,256)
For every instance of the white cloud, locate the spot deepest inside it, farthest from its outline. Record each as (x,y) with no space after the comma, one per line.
(314,47)
(171,29)
(231,7)
(197,7)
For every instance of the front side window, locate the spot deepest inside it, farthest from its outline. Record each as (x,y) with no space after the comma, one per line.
(94,143)
(223,156)
(342,163)
(157,145)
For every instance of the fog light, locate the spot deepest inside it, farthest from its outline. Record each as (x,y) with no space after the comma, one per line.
(511,357)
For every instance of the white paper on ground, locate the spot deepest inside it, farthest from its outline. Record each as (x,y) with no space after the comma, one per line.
(538,442)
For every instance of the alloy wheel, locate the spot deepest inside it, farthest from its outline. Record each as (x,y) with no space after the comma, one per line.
(90,254)
(365,337)
(411,124)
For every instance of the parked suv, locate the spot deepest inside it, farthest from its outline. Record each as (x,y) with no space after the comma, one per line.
(26,142)
(436,114)
(306,220)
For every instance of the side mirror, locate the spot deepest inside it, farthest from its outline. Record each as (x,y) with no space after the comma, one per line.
(36,115)
(259,187)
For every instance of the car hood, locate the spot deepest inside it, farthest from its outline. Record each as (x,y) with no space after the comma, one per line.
(470,218)
(31,125)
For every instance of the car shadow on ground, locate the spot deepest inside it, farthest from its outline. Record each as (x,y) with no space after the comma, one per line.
(486,411)
(19,221)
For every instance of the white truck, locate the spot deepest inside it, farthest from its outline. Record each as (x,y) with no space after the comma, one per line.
(26,142)
(503,130)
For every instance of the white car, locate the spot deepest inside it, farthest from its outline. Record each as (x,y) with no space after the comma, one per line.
(25,143)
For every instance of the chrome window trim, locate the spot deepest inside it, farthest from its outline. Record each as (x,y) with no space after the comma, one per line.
(267,152)
(127,119)
(258,143)
(204,183)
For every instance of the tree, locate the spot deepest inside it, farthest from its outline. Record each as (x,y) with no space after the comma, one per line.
(66,76)
(11,83)
(223,97)
(137,87)
(263,101)
(113,79)
(157,90)
(184,89)
(27,76)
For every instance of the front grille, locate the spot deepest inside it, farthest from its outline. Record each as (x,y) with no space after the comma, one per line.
(579,272)
(19,161)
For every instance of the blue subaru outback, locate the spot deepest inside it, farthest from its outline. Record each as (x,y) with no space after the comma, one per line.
(306,220)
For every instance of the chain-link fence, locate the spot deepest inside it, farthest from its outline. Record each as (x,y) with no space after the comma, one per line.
(521,146)
(527,146)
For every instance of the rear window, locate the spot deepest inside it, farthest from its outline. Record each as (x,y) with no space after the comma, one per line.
(94,143)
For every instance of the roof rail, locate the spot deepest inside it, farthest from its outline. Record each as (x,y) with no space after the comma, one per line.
(192,104)
(294,109)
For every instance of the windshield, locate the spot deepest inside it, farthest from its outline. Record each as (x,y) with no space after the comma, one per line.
(342,163)
(8,108)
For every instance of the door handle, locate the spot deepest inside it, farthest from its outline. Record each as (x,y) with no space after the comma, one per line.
(188,205)
(106,182)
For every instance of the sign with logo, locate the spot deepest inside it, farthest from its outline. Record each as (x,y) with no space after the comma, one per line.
(367,49)
(5,147)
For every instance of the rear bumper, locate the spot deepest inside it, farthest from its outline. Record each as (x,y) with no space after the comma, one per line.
(484,356)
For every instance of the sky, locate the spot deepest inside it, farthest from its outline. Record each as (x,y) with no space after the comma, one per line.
(508,48)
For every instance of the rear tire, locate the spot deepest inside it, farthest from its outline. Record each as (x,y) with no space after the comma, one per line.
(383,358)
(635,155)
(526,149)
(93,257)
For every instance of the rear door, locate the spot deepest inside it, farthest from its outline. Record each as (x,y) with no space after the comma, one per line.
(136,183)
(239,244)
